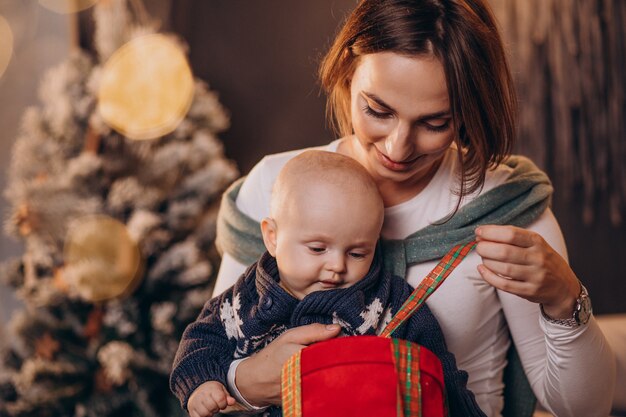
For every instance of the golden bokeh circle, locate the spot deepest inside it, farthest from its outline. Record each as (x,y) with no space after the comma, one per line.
(110,259)
(67,6)
(6,44)
(146,87)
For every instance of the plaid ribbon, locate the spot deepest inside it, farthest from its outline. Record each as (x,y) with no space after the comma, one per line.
(428,285)
(406,359)
(292,387)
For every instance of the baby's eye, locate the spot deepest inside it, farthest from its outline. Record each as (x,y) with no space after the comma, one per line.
(316,249)
(357,255)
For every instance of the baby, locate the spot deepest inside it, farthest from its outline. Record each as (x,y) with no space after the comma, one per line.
(321,266)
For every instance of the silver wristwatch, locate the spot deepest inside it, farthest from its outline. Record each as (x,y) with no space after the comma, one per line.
(582,311)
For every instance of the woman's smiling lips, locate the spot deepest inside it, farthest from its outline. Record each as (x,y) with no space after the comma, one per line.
(392,165)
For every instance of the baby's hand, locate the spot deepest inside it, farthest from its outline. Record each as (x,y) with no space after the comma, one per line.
(208,399)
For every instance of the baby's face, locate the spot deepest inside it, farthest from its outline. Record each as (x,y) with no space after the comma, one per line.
(326,239)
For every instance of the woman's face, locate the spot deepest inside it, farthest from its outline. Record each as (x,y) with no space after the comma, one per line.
(401,116)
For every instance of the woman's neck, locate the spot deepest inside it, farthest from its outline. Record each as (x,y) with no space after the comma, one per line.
(393,192)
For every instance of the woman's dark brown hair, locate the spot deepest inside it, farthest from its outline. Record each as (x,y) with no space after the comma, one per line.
(462,34)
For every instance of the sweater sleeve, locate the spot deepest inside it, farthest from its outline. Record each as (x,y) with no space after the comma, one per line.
(204,353)
(571,369)
(423,328)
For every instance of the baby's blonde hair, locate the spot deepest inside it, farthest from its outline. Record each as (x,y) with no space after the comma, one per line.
(315,167)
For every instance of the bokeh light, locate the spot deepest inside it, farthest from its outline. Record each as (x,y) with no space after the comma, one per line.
(6,44)
(67,6)
(146,87)
(102,261)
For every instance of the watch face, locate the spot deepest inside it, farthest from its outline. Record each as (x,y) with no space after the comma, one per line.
(584,311)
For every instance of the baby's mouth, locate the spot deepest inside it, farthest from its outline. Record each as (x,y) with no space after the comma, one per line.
(330,284)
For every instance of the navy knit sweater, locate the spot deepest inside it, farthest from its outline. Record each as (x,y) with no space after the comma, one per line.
(256,310)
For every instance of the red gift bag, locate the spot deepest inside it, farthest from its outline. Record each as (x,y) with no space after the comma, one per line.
(371,375)
(364,376)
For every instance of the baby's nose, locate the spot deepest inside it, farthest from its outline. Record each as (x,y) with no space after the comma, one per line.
(337,264)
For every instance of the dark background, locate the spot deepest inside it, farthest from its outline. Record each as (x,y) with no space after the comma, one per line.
(262,57)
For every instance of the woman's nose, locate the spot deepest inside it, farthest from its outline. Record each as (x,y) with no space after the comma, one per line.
(399,143)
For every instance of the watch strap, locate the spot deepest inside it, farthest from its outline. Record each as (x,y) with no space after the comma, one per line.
(571,321)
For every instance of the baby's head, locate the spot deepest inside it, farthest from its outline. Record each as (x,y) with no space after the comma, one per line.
(325,218)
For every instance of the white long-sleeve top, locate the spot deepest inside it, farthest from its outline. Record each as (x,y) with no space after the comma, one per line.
(571,370)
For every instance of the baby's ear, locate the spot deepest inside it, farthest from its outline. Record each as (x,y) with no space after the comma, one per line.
(268,229)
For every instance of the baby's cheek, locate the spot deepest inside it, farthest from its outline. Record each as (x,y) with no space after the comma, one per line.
(358,272)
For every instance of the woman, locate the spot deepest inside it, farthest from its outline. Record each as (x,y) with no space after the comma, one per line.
(423,98)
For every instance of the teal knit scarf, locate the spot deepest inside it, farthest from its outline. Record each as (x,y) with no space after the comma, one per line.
(518,202)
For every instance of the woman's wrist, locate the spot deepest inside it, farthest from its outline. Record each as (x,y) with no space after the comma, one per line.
(564,307)
(234,390)
(249,389)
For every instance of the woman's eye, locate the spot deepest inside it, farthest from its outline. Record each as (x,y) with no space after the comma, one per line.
(379,115)
(357,255)
(437,127)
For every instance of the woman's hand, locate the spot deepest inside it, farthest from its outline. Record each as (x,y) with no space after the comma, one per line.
(520,262)
(258,377)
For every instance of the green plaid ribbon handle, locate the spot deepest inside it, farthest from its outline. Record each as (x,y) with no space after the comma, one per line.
(405,357)
(428,285)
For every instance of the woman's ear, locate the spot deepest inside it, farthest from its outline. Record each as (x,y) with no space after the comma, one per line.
(268,229)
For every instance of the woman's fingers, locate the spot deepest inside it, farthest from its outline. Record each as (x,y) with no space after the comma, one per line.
(511,271)
(513,286)
(293,340)
(505,252)
(521,262)
(306,335)
(507,234)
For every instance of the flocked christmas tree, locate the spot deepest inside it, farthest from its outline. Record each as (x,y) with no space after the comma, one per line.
(114,185)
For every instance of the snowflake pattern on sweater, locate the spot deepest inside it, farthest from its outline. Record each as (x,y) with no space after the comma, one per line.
(256,310)
(371,316)
(229,313)
(372,319)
